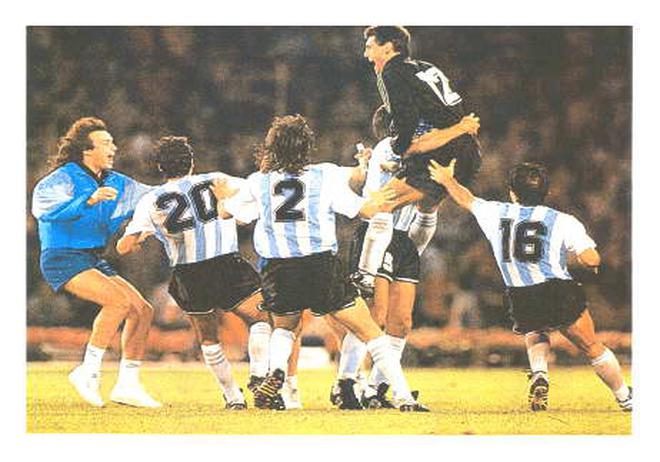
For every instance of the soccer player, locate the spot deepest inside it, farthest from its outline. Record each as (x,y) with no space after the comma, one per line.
(79,206)
(295,204)
(530,242)
(418,97)
(396,279)
(208,273)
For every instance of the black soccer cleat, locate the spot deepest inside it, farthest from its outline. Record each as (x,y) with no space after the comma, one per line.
(346,399)
(538,392)
(413,407)
(626,405)
(378,400)
(335,394)
(237,406)
(254,382)
(364,283)
(267,395)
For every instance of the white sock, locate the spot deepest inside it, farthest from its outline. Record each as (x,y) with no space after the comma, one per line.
(422,229)
(538,350)
(384,359)
(215,360)
(93,358)
(129,372)
(376,240)
(258,348)
(608,369)
(353,351)
(397,344)
(281,345)
(292,382)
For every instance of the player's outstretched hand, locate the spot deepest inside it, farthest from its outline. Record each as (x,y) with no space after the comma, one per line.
(383,198)
(222,190)
(104,193)
(470,124)
(441,174)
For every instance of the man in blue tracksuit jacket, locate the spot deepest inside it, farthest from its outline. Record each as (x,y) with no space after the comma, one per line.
(79,206)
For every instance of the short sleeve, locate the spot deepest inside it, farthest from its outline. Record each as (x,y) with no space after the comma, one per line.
(242,206)
(141,221)
(576,238)
(488,215)
(343,199)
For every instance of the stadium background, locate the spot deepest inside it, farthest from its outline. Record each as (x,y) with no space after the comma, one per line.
(561,95)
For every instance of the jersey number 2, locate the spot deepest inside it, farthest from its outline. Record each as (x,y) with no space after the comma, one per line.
(528,242)
(287,211)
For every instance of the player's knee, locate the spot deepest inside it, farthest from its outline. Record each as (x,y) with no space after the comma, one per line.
(592,350)
(399,324)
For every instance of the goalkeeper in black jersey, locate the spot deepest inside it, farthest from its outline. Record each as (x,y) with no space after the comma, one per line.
(419,100)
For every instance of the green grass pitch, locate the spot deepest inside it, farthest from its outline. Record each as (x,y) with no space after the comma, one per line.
(463,401)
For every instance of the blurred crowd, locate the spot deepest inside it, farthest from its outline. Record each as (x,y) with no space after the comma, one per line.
(560,95)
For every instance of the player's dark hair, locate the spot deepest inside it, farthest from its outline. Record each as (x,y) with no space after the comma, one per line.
(380,122)
(530,182)
(70,147)
(289,143)
(398,35)
(173,156)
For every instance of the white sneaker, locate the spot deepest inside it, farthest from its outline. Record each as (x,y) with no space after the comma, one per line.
(133,395)
(87,385)
(291,397)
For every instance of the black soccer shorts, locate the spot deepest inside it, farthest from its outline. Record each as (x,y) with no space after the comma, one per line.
(316,281)
(550,305)
(401,262)
(222,282)
(415,170)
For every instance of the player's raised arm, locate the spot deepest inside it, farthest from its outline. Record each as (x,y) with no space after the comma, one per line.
(445,177)
(438,137)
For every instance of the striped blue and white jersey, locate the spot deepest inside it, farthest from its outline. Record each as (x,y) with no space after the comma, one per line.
(530,243)
(183,215)
(377,178)
(295,213)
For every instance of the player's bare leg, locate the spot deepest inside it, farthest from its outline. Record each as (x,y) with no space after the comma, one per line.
(260,330)
(205,326)
(128,389)
(538,350)
(267,395)
(582,334)
(358,320)
(94,286)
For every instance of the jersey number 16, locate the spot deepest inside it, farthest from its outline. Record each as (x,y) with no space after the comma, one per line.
(527,243)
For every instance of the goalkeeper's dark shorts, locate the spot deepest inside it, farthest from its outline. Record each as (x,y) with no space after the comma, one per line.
(464,149)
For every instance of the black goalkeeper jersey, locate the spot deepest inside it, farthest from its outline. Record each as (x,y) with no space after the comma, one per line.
(418,97)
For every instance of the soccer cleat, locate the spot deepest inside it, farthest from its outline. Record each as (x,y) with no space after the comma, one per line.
(291,397)
(335,394)
(413,407)
(379,399)
(267,395)
(254,382)
(87,385)
(364,283)
(538,392)
(346,398)
(133,395)
(626,405)
(238,405)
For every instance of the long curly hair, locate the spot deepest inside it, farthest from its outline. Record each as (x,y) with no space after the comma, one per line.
(289,143)
(71,146)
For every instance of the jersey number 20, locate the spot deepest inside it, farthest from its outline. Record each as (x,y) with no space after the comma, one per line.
(175,222)
(527,243)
